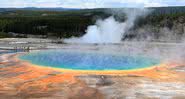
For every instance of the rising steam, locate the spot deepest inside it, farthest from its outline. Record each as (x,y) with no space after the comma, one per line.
(109,30)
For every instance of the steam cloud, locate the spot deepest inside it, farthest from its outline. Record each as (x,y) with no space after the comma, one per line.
(112,31)
(109,30)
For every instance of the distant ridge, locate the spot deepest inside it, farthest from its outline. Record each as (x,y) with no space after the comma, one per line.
(157,10)
(38,9)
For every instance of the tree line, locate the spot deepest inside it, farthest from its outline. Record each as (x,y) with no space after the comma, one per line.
(65,24)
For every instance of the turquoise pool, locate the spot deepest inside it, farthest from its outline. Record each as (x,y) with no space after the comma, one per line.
(88,61)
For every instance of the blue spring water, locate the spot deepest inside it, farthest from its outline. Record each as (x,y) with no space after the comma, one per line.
(88,61)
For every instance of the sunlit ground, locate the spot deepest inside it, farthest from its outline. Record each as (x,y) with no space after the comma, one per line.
(22,79)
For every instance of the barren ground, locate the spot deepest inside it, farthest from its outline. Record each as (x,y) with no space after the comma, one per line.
(21,80)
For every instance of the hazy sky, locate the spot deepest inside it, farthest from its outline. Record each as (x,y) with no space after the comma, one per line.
(90,3)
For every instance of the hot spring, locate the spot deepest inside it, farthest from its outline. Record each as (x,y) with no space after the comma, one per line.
(73,60)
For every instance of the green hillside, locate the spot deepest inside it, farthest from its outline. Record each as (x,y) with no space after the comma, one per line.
(64,24)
